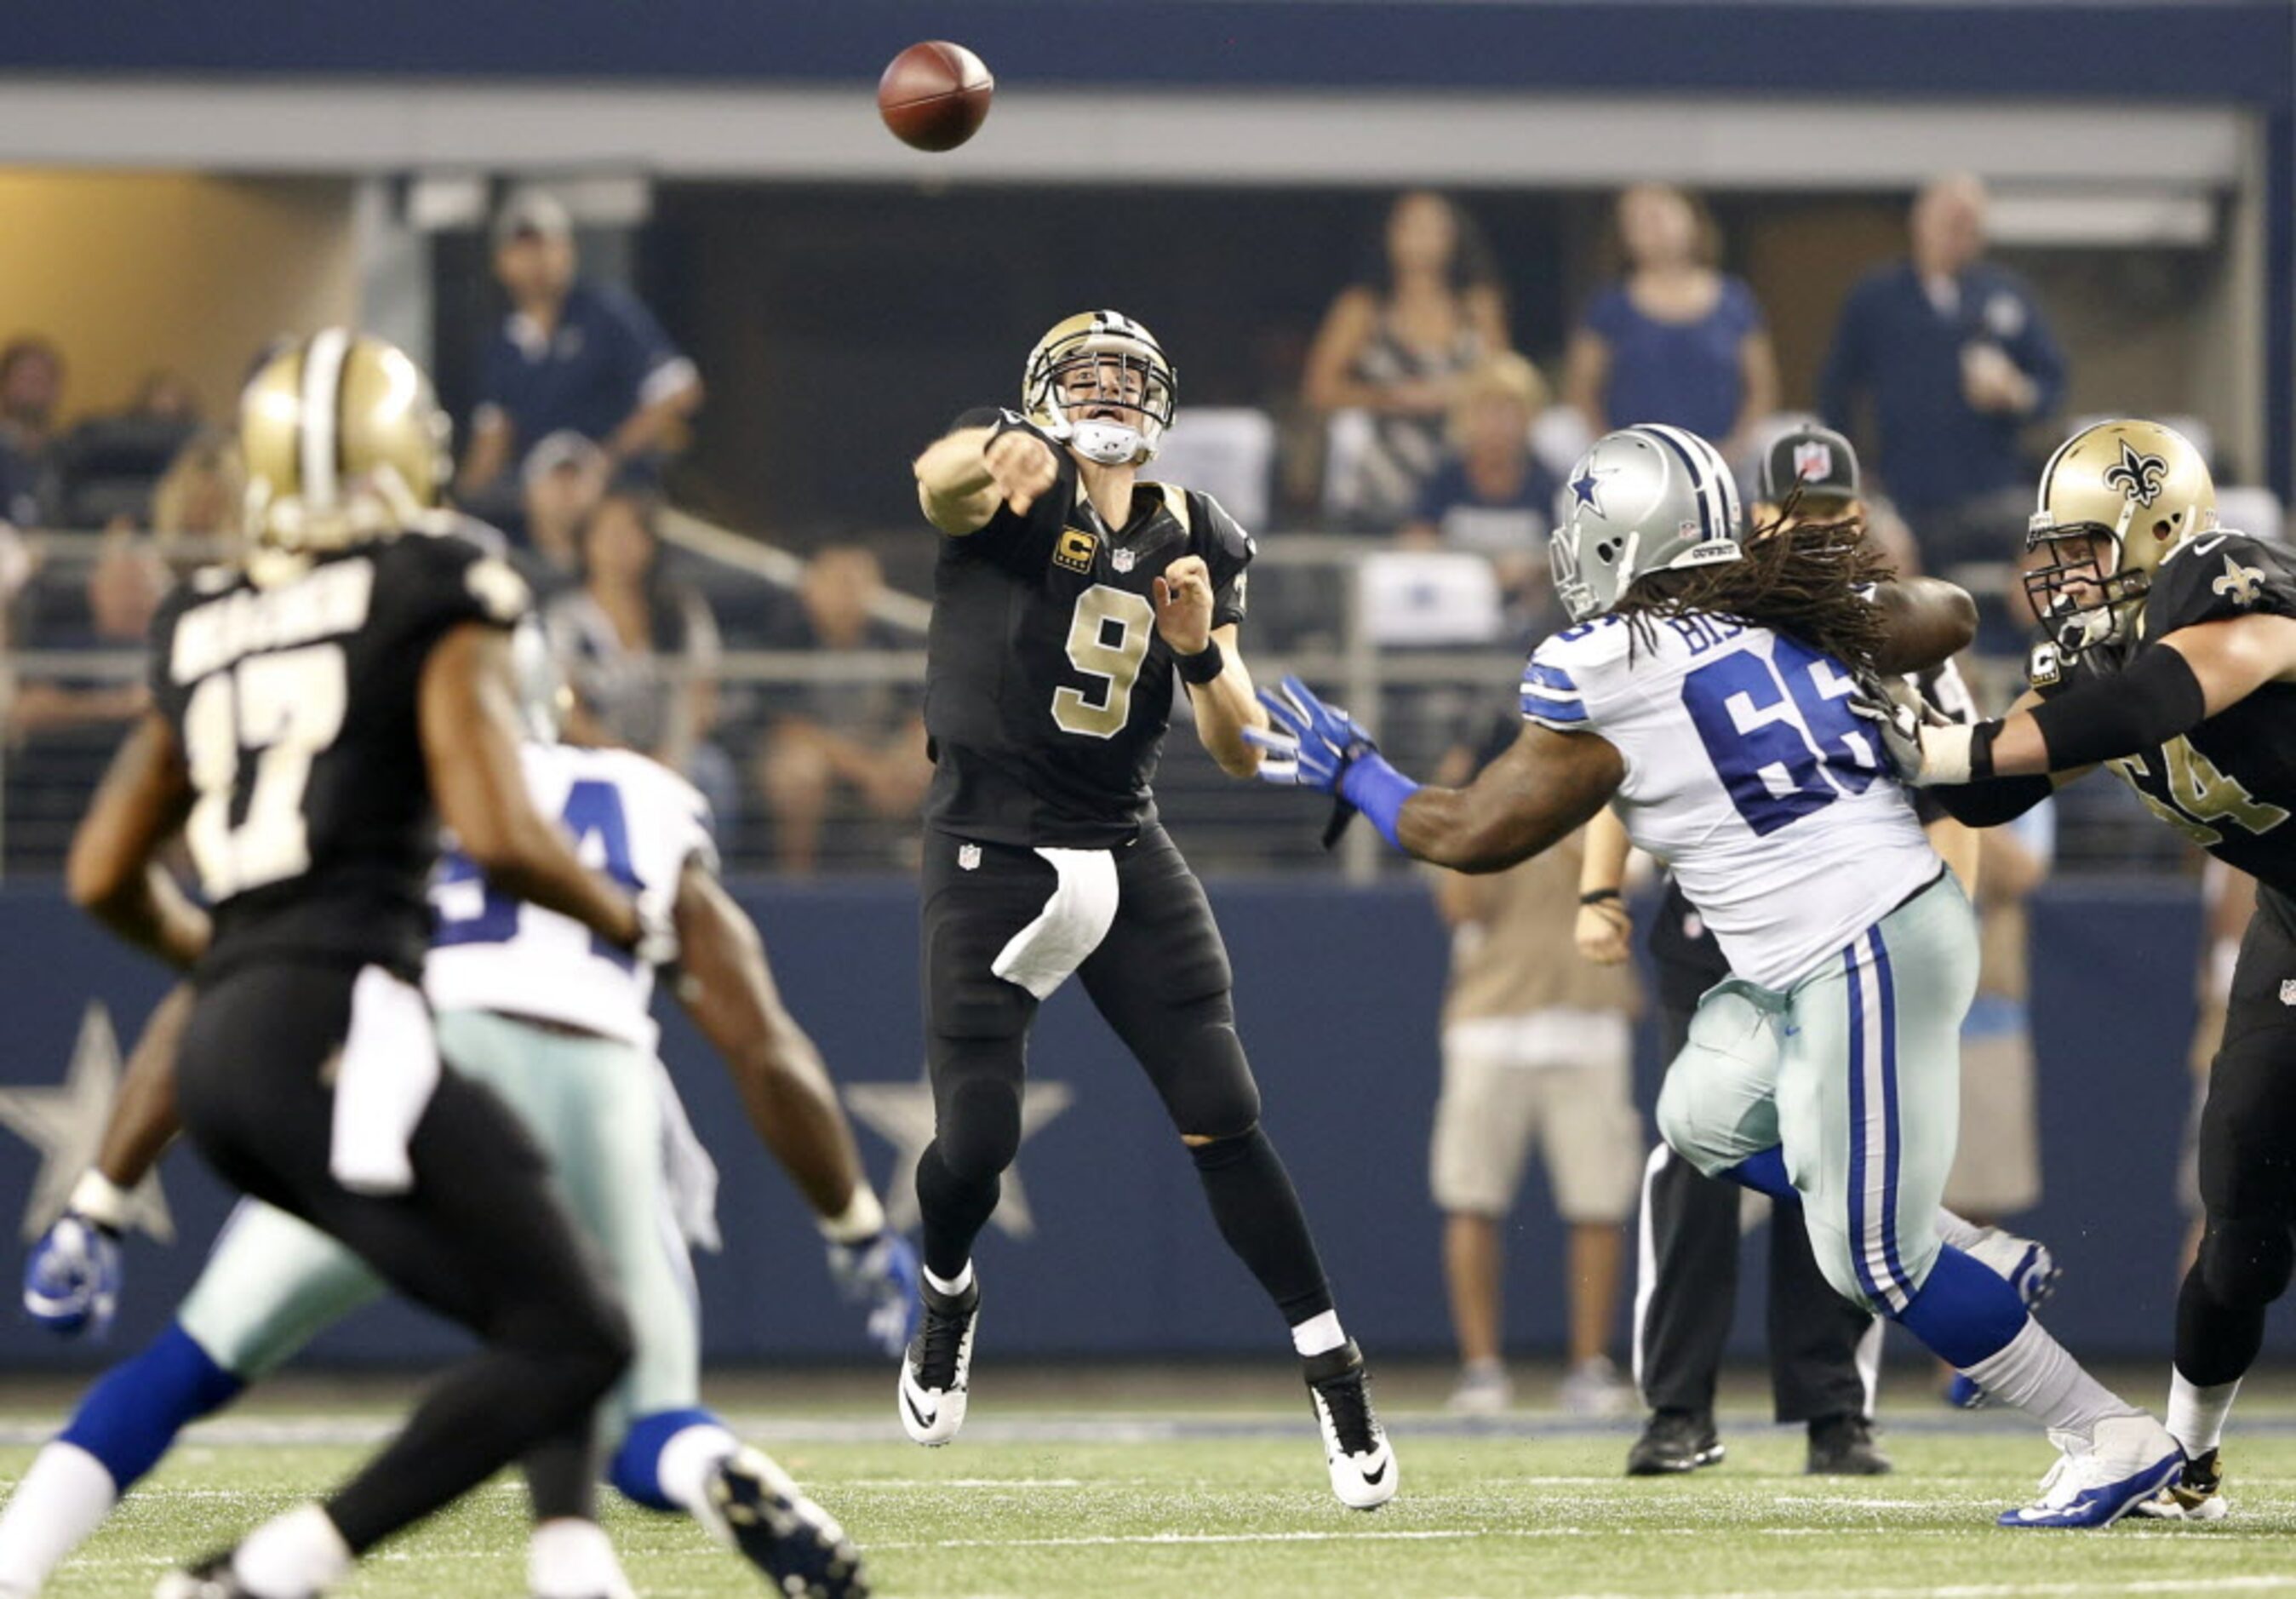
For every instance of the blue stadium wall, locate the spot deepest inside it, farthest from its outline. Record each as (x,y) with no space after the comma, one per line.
(1337,993)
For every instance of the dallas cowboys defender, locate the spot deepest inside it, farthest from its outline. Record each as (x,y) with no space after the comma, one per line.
(2172,659)
(529,1004)
(1069,597)
(311,709)
(1705,693)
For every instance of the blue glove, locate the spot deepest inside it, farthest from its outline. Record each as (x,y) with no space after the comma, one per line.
(71,1283)
(1312,745)
(882,1273)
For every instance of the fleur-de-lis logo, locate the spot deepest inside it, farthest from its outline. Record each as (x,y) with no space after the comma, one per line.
(2137,476)
(2240,583)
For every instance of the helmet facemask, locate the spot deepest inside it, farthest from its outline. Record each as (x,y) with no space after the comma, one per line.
(1105,391)
(2079,592)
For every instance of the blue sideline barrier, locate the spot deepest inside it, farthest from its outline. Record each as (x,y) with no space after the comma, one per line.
(1337,995)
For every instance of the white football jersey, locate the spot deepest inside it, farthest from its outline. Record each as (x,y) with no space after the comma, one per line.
(1747,773)
(632,819)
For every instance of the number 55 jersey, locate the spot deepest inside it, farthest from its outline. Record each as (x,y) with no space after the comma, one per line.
(1048,691)
(1747,772)
(311,821)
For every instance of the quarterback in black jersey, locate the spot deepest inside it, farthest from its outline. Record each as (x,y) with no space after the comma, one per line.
(317,711)
(2171,658)
(1070,596)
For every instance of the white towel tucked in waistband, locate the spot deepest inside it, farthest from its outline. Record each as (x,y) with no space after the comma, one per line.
(390,1069)
(1074,920)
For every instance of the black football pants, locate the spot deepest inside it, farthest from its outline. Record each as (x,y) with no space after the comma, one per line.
(1686,1289)
(482,1238)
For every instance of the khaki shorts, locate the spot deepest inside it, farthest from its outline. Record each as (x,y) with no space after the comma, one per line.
(1589,1137)
(1997,1171)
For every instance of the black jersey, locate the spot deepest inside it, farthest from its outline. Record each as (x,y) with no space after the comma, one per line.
(2229,784)
(313,829)
(1048,691)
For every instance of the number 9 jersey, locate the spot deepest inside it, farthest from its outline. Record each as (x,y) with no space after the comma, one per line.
(312,824)
(1747,773)
(1048,690)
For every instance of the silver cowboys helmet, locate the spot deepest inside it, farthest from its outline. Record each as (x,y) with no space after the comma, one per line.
(1649,499)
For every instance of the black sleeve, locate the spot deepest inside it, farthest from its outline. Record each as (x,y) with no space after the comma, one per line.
(2217,575)
(1039,530)
(1990,803)
(1228,549)
(160,644)
(2156,698)
(433,583)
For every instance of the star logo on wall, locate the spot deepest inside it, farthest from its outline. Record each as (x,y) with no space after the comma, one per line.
(65,1124)
(902,1114)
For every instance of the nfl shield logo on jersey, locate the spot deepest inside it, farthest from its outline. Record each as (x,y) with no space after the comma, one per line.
(1813,460)
(967,858)
(2288,990)
(1122,560)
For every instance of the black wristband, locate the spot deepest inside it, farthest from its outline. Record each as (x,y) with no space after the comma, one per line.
(2127,713)
(1980,750)
(1202,666)
(1600,896)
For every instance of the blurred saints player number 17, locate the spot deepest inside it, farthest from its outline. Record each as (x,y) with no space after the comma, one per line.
(2198,792)
(1108,639)
(287,707)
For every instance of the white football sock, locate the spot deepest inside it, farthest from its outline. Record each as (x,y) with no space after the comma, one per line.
(2034,1372)
(290,1556)
(688,1459)
(1959,1231)
(2196,1419)
(569,1558)
(62,1500)
(1318,1334)
(956,1284)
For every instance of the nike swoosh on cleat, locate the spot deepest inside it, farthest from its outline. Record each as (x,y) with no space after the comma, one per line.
(1375,1478)
(924,1419)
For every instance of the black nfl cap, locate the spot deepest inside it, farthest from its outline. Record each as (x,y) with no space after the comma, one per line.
(1816,460)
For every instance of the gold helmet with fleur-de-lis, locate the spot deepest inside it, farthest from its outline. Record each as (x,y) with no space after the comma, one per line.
(2136,487)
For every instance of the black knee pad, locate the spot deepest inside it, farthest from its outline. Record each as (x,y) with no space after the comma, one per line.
(2246,1261)
(1207,1083)
(978,1124)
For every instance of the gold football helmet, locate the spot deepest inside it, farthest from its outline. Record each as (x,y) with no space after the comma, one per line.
(1133,379)
(2114,500)
(343,441)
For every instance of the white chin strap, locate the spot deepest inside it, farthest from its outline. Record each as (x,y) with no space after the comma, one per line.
(1109,443)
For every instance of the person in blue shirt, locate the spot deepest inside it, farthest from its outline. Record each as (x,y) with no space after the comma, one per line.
(1954,357)
(1490,495)
(571,356)
(1674,340)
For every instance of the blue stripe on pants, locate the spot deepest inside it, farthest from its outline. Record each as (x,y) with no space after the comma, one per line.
(1894,1146)
(1857,1124)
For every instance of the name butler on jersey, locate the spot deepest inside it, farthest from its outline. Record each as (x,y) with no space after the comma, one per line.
(1050,691)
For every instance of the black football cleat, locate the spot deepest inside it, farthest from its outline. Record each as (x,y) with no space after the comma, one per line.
(1843,1446)
(1674,1442)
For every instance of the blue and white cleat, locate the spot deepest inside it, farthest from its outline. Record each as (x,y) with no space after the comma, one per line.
(2025,1263)
(2100,1478)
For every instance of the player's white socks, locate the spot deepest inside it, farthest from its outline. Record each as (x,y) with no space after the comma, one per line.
(2034,1372)
(62,1500)
(1318,1335)
(687,1461)
(297,1554)
(2196,1419)
(952,1285)
(569,1558)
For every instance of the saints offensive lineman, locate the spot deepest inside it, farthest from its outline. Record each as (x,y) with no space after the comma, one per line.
(2171,658)
(531,1005)
(1705,692)
(1069,597)
(311,708)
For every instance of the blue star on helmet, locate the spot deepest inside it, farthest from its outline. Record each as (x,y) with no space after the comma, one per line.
(1586,490)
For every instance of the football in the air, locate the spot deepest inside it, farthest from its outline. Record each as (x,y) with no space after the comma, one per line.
(935,95)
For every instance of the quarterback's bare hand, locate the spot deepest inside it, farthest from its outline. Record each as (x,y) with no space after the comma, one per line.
(1184,606)
(1605,932)
(1022,466)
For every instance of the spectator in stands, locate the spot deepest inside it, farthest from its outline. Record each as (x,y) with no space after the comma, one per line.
(1395,345)
(828,738)
(640,650)
(571,354)
(1955,356)
(31,390)
(1676,340)
(1490,495)
(124,587)
(1538,1047)
(198,497)
(165,395)
(562,480)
